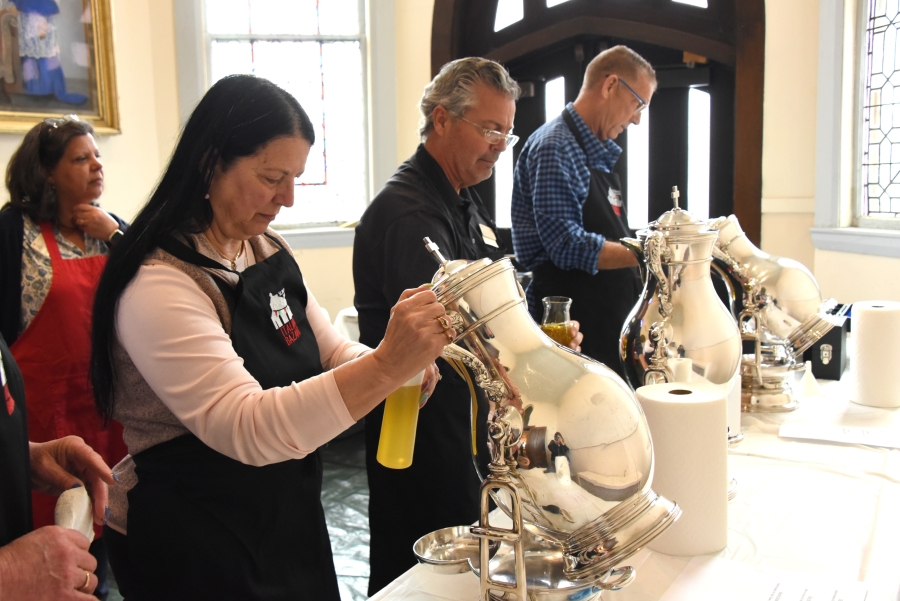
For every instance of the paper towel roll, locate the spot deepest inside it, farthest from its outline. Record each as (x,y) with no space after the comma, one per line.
(734,408)
(876,353)
(690,453)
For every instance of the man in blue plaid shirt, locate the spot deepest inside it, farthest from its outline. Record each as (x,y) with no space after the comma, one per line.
(567,209)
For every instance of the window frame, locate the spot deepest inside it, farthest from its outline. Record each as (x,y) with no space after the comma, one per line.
(379,97)
(838,224)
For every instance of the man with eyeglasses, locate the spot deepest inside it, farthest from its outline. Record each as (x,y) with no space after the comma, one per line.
(467,118)
(567,206)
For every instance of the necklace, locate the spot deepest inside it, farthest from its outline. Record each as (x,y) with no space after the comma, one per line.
(236,257)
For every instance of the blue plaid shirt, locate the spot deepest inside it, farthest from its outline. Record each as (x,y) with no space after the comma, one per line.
(552,181)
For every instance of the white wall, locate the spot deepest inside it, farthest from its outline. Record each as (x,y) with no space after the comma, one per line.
(413,31)
(789,128)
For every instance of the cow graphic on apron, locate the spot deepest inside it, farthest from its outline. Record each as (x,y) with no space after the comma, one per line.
(283,318)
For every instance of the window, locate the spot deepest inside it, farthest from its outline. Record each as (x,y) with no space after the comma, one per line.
(698,152)
(508,12)
(314,49)
(880,175)
(847,36)
(638,172)
(697,3)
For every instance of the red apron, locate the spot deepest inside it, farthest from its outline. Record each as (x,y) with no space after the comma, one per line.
(54,354)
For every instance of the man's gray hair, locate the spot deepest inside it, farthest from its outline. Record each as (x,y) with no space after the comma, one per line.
(454,88)
(621,61)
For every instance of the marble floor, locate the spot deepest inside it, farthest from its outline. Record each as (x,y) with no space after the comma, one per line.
(345,497)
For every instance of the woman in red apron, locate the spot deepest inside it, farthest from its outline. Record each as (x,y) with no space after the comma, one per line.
(54,246)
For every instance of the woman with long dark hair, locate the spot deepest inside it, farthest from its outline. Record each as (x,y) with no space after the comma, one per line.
(54,241)
(226,374)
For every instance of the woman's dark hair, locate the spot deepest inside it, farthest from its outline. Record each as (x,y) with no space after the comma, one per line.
(237,117)
(30,166)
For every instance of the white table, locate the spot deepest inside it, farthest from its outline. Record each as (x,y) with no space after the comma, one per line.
(814,508)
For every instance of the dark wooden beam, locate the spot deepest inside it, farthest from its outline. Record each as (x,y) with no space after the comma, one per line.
(661,36)
(750,43)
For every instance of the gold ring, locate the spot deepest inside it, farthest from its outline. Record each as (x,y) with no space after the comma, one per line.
(445,323)
(87,581)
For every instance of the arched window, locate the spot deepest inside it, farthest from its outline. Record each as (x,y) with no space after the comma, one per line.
(709,59)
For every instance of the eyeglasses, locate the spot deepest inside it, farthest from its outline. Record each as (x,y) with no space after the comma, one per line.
(642,104)
(55,122)
(493,136)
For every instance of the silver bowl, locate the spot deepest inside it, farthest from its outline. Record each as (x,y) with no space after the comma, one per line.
(448,550)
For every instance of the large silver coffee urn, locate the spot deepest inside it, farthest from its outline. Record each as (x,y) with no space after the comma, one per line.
(780,312)
(571,457)
(678,314)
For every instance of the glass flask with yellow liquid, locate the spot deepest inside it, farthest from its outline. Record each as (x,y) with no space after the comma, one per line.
(398,428)
(556,322)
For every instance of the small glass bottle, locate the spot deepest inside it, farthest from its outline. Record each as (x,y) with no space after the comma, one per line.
(556,322)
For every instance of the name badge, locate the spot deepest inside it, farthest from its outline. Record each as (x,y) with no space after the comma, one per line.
(488,235)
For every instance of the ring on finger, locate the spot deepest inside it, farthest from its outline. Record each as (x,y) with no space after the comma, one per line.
(87,581)
(445,323)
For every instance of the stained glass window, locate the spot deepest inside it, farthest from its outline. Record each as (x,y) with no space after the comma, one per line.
(314,50)
(881,113)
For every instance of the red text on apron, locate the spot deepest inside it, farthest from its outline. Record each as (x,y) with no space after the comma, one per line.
(54,354)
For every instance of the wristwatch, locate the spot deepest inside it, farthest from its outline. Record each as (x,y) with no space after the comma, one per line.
(115,236)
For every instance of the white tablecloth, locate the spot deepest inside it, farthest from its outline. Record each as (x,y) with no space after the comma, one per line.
(813,508)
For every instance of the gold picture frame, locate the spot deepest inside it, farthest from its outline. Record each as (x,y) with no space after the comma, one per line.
(78,79)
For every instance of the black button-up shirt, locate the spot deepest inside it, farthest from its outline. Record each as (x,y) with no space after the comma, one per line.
(389,255)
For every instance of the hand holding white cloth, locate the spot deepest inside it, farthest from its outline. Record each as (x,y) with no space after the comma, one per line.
(73,511)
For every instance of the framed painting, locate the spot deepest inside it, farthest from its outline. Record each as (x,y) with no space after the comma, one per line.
(56,58)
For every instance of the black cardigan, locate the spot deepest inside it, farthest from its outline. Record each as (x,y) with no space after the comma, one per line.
(12,234)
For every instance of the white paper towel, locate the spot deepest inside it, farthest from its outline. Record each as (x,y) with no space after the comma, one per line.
(875,327)
(74,510)
(734,407)
(690,452)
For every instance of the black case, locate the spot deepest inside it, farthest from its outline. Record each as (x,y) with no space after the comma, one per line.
(829,363)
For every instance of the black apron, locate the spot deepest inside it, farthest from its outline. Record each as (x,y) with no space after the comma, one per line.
(204,526)
(15,486)
(600,302)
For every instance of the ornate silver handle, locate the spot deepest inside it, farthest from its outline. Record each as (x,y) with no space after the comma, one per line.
(656,251)
(495,390)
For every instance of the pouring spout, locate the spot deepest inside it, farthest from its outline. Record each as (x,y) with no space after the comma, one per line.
(637,249)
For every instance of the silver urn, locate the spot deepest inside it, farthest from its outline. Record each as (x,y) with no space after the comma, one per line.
(780,313)
(679,315)
(571,459)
